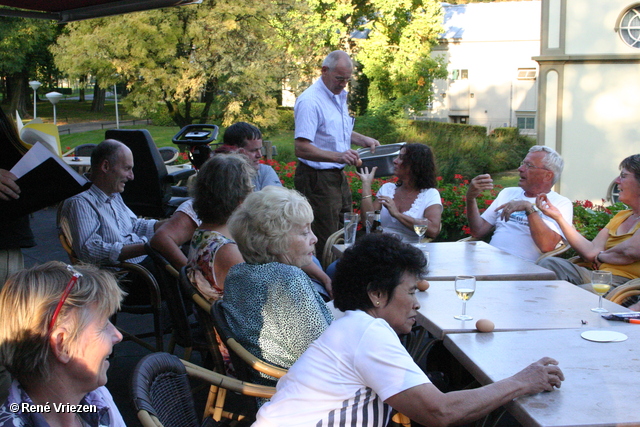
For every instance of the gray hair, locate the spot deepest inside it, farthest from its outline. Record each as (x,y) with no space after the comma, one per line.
(331,61)
(221,185)
(632,164)
(261,225)
(28,301)
(552,160)
(106,150)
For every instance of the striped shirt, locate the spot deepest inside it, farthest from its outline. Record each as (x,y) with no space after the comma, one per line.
(101,225)
(323,118)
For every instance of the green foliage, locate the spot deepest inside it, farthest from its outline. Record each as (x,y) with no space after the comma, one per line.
(285,119)
(589,218)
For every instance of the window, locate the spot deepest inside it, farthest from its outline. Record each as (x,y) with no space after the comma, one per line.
(630,27)
(459,74)
(526,123)
(527,73)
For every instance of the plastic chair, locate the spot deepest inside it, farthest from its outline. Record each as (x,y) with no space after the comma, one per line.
(84,150)
(152,287)
(162,395)
(185,332)
(169,154)
(150,193)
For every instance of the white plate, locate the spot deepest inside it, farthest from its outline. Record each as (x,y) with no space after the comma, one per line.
(603,336)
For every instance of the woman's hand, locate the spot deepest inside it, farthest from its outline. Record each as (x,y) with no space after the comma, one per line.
(543,203)
(388,203)
(367,176)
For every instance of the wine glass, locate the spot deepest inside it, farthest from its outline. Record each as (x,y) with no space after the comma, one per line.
(420,226)
(601,283)
(465,287)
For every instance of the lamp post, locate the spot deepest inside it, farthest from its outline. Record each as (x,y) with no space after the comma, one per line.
(34,85)
(54,97)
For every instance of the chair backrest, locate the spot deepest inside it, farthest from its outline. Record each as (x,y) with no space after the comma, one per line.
(64,234)
(169,154)
(150,191)
(161,392)
(327,254)
(84,150)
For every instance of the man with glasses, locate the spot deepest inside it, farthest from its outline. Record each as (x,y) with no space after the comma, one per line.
(520,228)
(323,137)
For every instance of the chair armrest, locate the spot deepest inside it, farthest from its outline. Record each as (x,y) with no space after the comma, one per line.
(180,175)
(256,363)
(246,388)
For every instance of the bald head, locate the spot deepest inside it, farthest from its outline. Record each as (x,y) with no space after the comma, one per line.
(336,71)
(111,166)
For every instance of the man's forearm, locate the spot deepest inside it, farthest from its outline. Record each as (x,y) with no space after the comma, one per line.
(478,226)
(305,150)
(545,238)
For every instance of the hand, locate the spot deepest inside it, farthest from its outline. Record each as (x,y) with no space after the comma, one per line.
(349,157)
(543,203)
(511,207)
(371,143)
(542,375)
(478,185)
(388,203)
(367,176)
(8,187)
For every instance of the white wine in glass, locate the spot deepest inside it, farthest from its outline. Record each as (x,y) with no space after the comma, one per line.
(601,283)
(420,227)
(465,288)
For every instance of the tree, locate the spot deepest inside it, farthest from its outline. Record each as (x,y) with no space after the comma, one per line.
(227,54)
(24,56)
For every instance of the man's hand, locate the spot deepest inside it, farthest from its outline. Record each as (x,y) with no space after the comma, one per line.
(478,185)
(8,187)
(349,157)
(513,206)
(370,142)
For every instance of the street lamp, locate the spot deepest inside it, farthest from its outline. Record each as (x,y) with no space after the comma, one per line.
(34,85)
(54,97)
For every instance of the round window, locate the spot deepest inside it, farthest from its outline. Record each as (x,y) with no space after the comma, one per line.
(630,27)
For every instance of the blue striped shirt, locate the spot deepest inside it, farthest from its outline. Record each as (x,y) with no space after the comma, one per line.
(100,225)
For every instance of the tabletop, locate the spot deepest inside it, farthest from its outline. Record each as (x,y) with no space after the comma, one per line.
(450,259)
(513,305)
(77,161)
(601,379)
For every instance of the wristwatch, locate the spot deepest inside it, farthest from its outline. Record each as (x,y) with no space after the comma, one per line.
(531,210)
(598,257)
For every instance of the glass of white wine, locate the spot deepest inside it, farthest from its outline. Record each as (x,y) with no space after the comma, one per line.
(465,287)
(420,226)
(601,283)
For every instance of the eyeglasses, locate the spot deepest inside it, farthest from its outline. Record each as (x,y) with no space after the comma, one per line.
(65,294)
(531,166)
(343,79)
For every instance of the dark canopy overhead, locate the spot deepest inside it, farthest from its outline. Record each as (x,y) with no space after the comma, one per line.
(75,10)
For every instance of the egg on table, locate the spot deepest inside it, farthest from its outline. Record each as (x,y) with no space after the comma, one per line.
(423,285)
(485,325)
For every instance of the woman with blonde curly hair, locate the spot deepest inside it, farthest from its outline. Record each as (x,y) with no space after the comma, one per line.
(55,338)
(269,302)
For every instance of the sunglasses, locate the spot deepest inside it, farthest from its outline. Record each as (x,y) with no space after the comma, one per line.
(65,294)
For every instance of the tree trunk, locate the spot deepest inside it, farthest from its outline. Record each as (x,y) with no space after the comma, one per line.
(81,97)
(99,96)
(17,94)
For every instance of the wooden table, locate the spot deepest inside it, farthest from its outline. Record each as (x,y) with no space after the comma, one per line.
(450,259)
(513,306)
(601,386)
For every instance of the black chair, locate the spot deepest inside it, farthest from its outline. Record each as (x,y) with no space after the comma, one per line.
(84,150)
(150,192)
(162,395)
(186,331)
(169,154)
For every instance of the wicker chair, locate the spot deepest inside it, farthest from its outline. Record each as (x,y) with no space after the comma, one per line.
(162,394)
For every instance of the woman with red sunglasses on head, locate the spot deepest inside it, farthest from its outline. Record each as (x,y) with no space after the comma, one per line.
(55,338)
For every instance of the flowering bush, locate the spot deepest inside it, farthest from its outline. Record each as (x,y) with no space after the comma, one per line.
(588,218)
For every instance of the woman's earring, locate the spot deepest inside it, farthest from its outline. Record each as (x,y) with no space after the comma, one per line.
(377,302)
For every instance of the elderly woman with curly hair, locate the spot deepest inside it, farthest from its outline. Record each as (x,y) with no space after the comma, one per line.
(222,184)
(269,302)
(358,370)
(55,338)
(413,196)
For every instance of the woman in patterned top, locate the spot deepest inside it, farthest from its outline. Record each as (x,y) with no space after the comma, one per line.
(269,302)
(55,338)
(221,185)
(357,371)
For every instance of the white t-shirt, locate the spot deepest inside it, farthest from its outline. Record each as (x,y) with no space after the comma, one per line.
(514,236)
(344,376)
(426,198)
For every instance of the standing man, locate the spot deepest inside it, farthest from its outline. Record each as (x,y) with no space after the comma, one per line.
(520,228)
(323,137)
